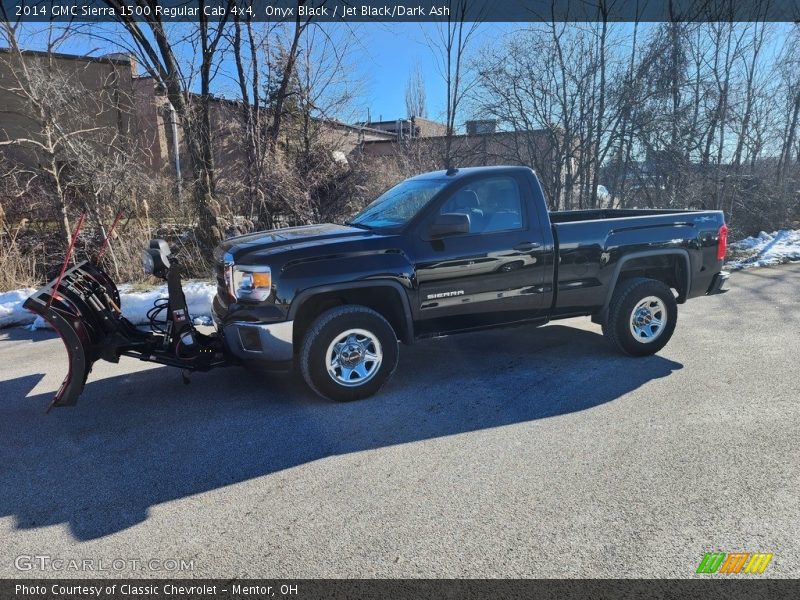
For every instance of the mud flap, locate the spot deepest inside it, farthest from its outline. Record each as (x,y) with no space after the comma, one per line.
(84,310)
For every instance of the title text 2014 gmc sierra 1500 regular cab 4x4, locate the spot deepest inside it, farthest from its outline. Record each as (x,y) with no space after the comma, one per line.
(455,251)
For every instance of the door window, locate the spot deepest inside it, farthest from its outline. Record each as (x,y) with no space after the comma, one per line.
(492,204)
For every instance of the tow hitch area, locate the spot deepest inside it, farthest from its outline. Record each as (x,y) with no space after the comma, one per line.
(83,306)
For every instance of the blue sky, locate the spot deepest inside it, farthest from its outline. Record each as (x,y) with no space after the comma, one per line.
(393,51)
(383,58)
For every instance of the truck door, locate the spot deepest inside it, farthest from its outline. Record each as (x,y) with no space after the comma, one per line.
(492,274)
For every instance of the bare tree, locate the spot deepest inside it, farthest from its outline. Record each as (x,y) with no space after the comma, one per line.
(157,47)
(287,78)
(549,84)
(790,73)
(58,110)
(415,94)
(451,45)
(249,47)
(69,147)
(753,82)
(688,114)
(306,84)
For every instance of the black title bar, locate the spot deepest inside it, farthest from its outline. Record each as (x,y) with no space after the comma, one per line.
(402,11)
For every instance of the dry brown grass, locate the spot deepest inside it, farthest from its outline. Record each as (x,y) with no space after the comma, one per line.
(18,268)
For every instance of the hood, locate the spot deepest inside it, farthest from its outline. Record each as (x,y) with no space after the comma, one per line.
(290,238)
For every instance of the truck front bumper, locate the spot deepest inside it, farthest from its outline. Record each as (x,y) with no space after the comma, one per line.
(718,282)
(255,341)
(269,342)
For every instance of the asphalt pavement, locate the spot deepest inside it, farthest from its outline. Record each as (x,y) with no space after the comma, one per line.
(512,453)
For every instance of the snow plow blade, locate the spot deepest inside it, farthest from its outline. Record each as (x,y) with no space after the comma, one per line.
(83,308)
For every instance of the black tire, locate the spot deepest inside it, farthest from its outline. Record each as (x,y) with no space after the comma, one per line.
(620,325)
(322,334)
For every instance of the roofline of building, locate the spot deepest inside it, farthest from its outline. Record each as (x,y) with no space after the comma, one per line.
(372,123)
(64,56)
(358,127)
(354,126)
(403,119)
(468,135)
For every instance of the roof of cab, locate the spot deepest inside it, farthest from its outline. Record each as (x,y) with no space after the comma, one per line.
(458,173)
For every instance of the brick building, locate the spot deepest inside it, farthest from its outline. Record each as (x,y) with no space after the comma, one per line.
(134,110)
(104,89)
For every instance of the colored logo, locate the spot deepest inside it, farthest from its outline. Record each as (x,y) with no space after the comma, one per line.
(732,563)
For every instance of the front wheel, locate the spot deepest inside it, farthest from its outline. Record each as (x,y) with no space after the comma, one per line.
(348,353)
(641,317)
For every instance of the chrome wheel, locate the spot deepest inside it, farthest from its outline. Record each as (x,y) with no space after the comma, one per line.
(354,357)
(648,319)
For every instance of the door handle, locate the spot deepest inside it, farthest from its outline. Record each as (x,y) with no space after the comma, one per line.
(527,246)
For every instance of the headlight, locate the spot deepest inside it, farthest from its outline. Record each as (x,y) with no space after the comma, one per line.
(251,282)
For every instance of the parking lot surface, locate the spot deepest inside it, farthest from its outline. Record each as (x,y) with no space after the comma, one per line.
(511,453)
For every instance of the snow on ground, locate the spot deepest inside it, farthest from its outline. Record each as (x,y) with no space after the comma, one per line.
(135,304)
(767,249)
(11,311)
(199,295)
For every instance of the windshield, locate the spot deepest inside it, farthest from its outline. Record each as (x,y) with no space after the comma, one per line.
(397,206)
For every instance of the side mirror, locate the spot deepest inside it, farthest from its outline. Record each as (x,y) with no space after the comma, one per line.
(449,224)
(156,258)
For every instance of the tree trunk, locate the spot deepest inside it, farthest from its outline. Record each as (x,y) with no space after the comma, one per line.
(283,88)
(788,142)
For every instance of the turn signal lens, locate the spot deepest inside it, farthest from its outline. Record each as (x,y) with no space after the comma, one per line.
(262,280)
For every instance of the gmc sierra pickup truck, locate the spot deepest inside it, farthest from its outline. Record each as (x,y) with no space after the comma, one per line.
(455,251)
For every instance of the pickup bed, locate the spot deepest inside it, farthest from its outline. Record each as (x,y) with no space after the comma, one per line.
(455,251)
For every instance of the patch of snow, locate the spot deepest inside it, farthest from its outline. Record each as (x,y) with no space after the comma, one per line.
(135,304)
(199,295)
(11,311)
(767,249)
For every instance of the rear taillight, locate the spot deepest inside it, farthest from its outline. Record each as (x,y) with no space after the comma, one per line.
(722,244)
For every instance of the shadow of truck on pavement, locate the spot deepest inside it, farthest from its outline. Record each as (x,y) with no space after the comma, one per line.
(140,439)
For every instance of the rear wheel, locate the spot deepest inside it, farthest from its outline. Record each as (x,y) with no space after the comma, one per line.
(348,353)
(641,317)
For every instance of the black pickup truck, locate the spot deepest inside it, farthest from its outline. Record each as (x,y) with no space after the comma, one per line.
(441,253)
(455,251)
